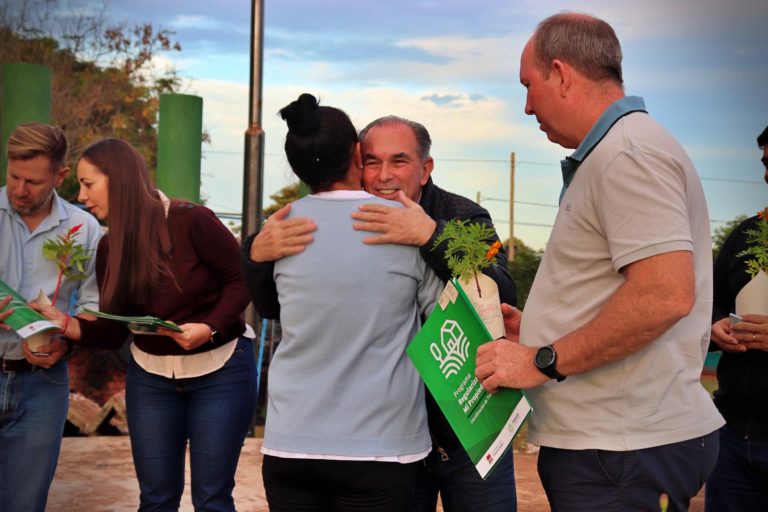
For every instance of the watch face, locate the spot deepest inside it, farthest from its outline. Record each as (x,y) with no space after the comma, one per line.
(545,356)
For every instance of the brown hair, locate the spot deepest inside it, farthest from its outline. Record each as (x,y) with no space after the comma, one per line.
(30,140)
(138,230)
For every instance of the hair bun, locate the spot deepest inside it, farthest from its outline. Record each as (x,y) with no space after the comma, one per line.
(302,115)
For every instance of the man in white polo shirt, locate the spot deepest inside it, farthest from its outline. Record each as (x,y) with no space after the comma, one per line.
(622,300)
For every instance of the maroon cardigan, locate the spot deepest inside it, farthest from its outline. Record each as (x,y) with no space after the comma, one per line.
(205,261)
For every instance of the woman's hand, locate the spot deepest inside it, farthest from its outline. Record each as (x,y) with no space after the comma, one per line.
(752,331)
(723,338)
(193,336)
(69,325)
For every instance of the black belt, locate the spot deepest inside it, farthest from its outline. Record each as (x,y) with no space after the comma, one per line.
(16,365)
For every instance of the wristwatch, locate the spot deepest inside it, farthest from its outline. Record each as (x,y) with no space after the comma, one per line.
(214,332)
(545,361)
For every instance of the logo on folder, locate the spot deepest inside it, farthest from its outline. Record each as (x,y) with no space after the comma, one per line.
(453,350)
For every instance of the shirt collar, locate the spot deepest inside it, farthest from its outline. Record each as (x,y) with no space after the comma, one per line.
(342,194)
(613,113)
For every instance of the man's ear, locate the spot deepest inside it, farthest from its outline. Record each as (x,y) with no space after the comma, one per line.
(426,170)
(357,156)
(61,175)
(563,73)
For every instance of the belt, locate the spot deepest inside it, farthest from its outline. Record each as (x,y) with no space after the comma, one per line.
(16,365)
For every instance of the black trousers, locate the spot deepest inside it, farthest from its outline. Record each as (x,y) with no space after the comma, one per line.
(309,485)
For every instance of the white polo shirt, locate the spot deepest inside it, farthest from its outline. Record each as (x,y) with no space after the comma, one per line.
(635,195)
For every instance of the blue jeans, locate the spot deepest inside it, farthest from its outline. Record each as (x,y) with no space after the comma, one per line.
(212,412)
(460,486)
(33,410)
(740,479)
(627,481)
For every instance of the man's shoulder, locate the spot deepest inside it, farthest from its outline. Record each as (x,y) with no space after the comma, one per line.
(441,204)
(639,131)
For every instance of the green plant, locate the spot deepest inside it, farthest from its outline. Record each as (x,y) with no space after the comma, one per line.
(758,240)
(468,250)
(69,255)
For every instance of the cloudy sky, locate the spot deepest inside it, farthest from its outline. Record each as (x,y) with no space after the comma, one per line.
(453,65)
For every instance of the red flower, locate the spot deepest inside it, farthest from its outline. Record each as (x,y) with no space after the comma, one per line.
(493,250)
(74,229)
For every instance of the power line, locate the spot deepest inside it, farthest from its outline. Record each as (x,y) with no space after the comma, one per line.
(499,161)
(519,202)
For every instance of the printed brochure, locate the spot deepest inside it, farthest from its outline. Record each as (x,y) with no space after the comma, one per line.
(444,353)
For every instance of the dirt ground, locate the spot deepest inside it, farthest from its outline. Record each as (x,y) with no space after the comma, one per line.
(95,474)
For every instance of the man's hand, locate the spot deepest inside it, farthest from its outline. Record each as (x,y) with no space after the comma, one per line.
(279,237)
(507,364)
(55,351)
(405,226)
(512,319)
(721,335)
(752,331)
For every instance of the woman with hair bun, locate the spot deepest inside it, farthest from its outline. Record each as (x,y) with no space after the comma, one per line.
(346,419)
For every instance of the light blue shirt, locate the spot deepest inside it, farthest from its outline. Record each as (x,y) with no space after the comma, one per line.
(23,267)
(616,111)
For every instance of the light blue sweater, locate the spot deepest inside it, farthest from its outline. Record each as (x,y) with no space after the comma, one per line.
(340,382)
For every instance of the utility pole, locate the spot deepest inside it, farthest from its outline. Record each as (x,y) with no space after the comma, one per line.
(253,179)
(511,249)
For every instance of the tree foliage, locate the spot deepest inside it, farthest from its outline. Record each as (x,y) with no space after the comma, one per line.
(105,77)
(523,269)
(282,197)
(720,233)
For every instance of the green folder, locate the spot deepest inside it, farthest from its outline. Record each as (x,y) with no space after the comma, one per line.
(139,324)
(444,353)
(27,322)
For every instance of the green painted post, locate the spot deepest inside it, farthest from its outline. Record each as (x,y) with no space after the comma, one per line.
(26,99)
(179,142)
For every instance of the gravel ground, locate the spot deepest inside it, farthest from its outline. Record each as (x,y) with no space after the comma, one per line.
(95,474)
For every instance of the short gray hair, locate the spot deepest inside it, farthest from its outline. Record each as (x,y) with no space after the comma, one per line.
(423,140)
(587,43)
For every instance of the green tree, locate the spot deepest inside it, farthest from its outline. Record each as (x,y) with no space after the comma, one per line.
(523,269)
(720,233)
(282,197)
(104,83)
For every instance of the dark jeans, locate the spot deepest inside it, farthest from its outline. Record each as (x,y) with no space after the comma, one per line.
(212,411)
(460,486)
(739,482)
(608,481)
(312,485)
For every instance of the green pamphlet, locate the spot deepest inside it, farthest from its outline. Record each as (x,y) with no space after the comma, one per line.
(139,324)
(28,323)
(444,353)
